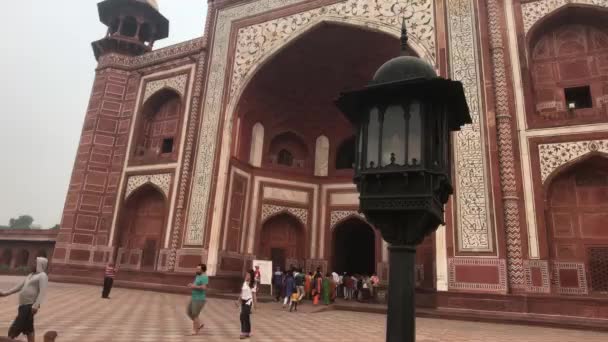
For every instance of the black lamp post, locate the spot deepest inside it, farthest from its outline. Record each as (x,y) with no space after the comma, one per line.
(403,120)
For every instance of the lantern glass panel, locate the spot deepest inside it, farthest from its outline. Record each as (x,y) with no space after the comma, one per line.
(373,138)
(393,136)
(415,134)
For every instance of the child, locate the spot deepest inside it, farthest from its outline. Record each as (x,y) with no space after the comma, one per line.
(294,301)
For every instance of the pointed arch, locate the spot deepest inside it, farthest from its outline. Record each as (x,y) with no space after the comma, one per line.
(269,211)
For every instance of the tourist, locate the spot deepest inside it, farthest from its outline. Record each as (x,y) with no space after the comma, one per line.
(326,290)
(277,283)
(290,288)
(347,286)
(295,298)
(108,280)
(258,276)
(375,281)
(335,277)
(318,286)
(341,291)
(198,298)
(245,302)
(32,292)
(354,289)
(308,285)
(299,280)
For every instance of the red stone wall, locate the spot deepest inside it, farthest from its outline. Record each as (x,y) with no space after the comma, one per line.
(92,193)
(569,54)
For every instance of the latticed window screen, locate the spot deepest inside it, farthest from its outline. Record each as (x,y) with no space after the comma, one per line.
(598,267)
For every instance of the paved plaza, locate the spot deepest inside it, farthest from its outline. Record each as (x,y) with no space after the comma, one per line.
(79,314)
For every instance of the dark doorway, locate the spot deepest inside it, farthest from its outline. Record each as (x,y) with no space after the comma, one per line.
(354,247)
(282,240)
(277,255)
(148,257)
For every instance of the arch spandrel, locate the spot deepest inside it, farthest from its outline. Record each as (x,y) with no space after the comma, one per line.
(553,157)
(269,211)
(258,43)
(534,12)
(176,83)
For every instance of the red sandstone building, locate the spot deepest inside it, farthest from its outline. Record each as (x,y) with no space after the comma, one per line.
(228,148)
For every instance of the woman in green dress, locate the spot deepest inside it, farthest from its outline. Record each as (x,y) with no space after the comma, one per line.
(326,292)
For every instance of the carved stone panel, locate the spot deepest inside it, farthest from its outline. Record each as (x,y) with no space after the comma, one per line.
(552,156)
(161,181)
(269,210)
(177,83)
(471,187)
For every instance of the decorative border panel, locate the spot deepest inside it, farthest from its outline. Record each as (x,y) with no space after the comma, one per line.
(269,210)
(338,216)
(544,270)
(552,156)
(212,105)
(255,41)
(534,11)
(154,57)
(473,226)
(582,278)
(162,181)
(177,83)
(499,263)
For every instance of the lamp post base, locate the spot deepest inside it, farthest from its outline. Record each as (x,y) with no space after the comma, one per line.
(401,320)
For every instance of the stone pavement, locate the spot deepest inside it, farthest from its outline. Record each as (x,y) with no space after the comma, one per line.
(79,314)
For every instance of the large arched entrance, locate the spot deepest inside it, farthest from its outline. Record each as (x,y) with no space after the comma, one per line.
(577,203)
(354,243)
(282,241)
(142,231)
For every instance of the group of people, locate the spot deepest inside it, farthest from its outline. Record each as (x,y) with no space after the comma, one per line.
(289,286)
(293,285)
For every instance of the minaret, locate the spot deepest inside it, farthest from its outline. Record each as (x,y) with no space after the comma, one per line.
(133,27)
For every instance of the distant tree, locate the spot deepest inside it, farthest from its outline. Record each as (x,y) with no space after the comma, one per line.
(22,222)
(55,226)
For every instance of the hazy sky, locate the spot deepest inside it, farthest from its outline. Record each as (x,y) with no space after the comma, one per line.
(46,72)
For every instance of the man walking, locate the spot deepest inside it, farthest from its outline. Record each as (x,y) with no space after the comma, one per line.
(32,292)
(108,280)
(199,297)
(299,280)
(277,283)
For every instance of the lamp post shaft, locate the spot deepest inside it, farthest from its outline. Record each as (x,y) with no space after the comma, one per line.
(401,320)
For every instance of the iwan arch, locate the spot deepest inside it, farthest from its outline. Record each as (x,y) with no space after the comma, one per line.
(228,148)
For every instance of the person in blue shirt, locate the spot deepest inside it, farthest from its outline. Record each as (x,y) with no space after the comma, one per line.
(199,297)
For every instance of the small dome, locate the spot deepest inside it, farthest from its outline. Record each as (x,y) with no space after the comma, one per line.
(152,3)
(403,68)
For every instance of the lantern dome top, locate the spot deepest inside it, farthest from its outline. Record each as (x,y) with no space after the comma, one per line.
(403,68)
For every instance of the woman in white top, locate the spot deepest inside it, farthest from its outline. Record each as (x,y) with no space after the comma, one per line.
(246,302)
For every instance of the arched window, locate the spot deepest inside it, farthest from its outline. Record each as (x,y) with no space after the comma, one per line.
(565,52)
(577,210)
(158,128)
(285,158)
(288,149)
(113,28)
(129,27)
(345,156)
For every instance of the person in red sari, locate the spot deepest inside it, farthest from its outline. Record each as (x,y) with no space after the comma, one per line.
(318,287)
(308,284)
